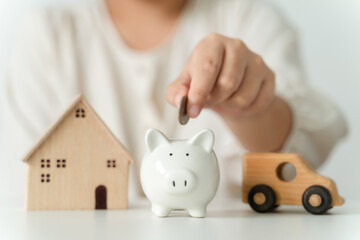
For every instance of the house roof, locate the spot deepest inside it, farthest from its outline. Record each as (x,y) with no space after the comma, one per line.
(78,99)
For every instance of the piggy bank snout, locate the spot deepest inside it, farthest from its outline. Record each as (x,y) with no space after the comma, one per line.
(180,181)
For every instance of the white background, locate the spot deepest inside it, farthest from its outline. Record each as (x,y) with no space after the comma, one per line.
(330,37)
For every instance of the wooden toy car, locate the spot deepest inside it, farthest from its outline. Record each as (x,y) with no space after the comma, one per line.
(264,186)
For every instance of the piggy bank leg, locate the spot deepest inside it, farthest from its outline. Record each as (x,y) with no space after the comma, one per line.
(197,212)
(160,211)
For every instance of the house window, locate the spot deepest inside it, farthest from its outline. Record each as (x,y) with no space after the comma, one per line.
(45,163)
(80,113)
(61,163)
(45,178)
(111,163)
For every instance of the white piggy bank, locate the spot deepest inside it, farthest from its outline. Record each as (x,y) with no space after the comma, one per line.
(180,174)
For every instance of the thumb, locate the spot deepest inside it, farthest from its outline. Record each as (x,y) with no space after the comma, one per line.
(178,89)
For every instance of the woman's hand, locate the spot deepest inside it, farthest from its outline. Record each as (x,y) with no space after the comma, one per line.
(224,75)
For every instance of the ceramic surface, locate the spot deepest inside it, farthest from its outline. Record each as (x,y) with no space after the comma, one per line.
(180,174)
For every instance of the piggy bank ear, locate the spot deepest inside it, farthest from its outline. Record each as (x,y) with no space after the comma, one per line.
(155,138)
(205,139)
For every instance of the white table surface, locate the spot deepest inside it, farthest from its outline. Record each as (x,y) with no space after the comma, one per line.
(232,221)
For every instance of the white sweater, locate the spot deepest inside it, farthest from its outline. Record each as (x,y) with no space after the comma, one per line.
(63,52)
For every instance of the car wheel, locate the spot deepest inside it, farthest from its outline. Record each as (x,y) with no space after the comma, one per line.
(262,198)
(317,199)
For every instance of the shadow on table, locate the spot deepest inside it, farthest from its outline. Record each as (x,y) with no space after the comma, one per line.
(280,211)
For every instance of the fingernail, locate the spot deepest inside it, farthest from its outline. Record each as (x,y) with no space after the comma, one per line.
(194,111)
(178,99)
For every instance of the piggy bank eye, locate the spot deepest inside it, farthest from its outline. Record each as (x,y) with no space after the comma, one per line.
(187,154)
(170,154)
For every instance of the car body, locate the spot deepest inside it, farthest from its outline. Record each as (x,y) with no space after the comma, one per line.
(264,185)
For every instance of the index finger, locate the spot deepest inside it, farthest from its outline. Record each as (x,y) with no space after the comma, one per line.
(204,70)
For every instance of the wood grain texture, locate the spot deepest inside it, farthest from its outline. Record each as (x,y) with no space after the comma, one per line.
(315,200)
(259,198)
(261,168)
(86,145)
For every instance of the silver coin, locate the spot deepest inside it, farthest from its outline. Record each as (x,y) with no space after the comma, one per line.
(183,117)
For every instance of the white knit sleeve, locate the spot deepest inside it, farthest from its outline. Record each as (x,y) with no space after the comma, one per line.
(317,122)
(34,90)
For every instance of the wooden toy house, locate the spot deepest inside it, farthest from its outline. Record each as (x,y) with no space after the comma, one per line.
(78,164)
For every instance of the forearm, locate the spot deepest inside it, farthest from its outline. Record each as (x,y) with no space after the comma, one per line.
(266,131)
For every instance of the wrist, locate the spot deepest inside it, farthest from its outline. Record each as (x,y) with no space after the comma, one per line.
(239,116)
(263,131)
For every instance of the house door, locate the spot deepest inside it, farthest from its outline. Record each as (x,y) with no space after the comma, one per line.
(100,197)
